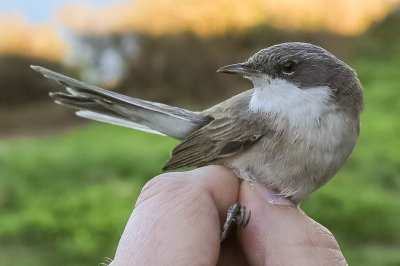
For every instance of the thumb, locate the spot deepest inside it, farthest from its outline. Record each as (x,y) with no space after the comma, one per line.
(279,233)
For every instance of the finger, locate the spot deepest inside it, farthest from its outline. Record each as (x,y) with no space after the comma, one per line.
(279,233)
(221,183)
(176,220)
(231,253)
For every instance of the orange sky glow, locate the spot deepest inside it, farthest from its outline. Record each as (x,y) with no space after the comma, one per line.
(205,18)
(18,37)
(210,17)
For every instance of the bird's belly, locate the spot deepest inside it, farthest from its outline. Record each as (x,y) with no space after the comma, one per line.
(295,168)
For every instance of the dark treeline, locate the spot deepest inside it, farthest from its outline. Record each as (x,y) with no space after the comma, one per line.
(20,85)
(181,68)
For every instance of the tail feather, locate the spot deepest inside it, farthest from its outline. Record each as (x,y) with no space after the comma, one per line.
(116,121)
(98,112)
(115,108)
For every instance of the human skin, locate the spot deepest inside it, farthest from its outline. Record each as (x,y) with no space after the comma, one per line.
(178,217)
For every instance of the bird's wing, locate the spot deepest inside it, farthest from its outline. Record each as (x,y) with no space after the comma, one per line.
(223,137)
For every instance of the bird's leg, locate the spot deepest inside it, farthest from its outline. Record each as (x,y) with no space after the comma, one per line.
(236,214)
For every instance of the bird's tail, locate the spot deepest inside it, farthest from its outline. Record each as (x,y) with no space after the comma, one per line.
(106,106)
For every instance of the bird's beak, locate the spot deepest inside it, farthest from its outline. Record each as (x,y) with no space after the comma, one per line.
(242,69)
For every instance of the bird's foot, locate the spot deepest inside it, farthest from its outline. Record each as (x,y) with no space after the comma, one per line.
(236,215)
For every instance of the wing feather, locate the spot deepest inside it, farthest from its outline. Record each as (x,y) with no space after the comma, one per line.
(221,138)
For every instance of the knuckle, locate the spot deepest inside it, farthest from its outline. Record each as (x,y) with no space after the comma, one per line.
(162,180)
(160,184)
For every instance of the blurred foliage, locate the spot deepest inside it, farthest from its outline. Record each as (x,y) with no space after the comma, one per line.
(20,85)
(65,199)
(25,108)
(181,69)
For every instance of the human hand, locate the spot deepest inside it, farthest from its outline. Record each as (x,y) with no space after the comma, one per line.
(178,217)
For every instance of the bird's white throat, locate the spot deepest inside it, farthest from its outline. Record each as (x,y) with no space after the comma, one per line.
(278,96)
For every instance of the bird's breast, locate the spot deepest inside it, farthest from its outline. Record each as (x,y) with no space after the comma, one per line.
(299,157)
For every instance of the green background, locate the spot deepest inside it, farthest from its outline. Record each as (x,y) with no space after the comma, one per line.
(65,199)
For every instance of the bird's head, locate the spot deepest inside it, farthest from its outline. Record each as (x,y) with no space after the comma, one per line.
(297,69)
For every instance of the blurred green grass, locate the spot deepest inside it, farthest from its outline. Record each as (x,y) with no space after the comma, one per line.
(66,199)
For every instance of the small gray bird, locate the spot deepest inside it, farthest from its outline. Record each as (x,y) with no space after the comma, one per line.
(292,132)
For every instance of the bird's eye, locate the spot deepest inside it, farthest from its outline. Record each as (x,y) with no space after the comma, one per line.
(288,67)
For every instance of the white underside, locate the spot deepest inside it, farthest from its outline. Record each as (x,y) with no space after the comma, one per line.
(301,106)
(317,139)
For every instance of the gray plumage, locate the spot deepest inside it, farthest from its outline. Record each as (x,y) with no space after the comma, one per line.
(292,132)
(226,135)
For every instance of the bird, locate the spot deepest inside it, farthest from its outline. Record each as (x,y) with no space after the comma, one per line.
(291,132)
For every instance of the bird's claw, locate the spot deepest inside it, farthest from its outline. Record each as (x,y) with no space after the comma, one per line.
(236,214)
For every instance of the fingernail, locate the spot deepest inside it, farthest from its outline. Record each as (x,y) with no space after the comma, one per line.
(272,196)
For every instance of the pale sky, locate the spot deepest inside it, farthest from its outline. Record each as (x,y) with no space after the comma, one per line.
(38,11)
